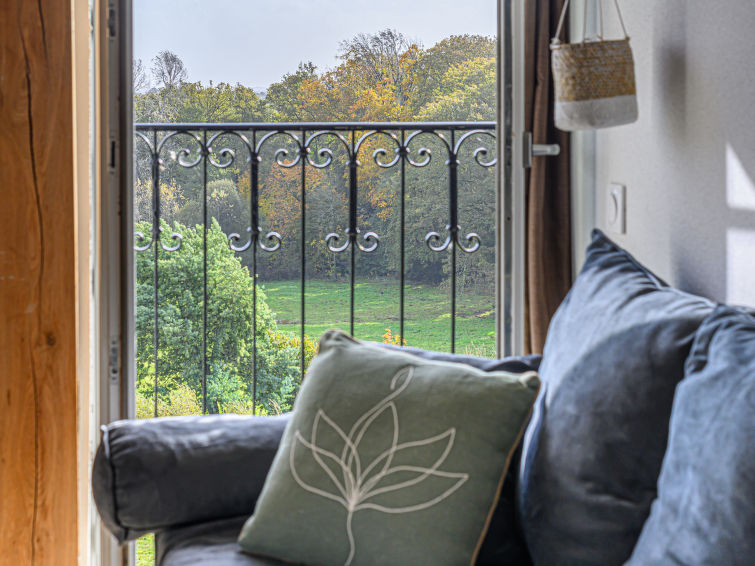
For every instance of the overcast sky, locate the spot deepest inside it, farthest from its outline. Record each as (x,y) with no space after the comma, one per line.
(255,42)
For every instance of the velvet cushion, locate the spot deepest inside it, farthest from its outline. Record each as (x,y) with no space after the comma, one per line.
(389,459)
(504,543)
(593,450)
(204,544)
(515,364)
(705,511)
(156,473)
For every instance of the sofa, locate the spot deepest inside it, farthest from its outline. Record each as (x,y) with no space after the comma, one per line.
(640,449)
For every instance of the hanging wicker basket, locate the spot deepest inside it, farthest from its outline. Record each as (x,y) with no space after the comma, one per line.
(594,81)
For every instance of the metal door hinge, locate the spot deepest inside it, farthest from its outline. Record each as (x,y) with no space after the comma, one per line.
(114,361)
(111,22)
(112,157)
(536,150)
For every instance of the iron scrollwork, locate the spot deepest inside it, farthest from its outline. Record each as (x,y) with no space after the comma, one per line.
(154,147)
(307,145)
(310,150)
(470,242)
(369,240)
(270,241)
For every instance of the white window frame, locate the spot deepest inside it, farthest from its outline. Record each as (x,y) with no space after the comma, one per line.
(115,283)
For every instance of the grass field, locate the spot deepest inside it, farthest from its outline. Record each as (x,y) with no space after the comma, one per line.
(427,313)
(145,551)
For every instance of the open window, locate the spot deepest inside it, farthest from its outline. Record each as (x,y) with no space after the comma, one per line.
(381,193)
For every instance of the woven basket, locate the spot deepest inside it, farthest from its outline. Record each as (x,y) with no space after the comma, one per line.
(594,82)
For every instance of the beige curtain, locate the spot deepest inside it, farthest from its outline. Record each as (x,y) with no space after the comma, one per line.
(548,261)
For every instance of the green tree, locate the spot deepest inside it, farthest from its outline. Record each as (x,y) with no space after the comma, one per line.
(224,203)
(467,92)
(433,63)
(229,333)
(283,97)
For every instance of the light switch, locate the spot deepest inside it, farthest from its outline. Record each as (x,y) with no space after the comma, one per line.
(616,208)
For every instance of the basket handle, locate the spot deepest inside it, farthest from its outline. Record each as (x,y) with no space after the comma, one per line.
(556,39)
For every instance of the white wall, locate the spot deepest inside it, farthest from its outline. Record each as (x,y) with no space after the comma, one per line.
(689,162)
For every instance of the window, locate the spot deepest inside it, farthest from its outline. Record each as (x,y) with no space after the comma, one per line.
(274,202)
(397,225)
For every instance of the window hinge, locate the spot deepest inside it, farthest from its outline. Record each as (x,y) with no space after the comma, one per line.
(114,361)
(111,22)
(111,161)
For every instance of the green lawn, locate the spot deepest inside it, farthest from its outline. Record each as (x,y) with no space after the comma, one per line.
(145,551)
(427,312)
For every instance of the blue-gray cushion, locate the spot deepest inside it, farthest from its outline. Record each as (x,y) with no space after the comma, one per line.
(210,543)
(389,459)
(152,474)
(705,511)
(593,450)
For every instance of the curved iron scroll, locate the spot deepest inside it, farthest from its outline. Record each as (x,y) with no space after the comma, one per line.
(471,242)
(309,148)
(156,229)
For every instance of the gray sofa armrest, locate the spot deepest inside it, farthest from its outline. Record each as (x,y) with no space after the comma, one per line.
(157,473)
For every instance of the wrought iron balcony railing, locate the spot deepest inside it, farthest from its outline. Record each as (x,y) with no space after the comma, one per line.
(180,162)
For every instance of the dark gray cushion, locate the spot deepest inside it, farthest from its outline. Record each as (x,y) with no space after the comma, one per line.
(592,453)
(211,543)
(514,364)
(155,473)
(705,511)
(215,554)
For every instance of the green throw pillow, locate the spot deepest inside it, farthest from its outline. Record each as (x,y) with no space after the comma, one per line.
(389,459)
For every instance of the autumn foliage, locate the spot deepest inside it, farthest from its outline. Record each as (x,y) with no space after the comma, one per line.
(379,77)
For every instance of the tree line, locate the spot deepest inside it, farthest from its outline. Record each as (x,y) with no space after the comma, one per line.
(380,77)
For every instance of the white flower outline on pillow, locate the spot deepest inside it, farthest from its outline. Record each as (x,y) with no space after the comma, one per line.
(358,484)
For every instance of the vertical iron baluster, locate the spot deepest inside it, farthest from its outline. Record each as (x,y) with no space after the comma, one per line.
(254,196)
(206,154)
(303,240)
(402,244)
(155,253)
(156,246)
(453,189)
(352,231)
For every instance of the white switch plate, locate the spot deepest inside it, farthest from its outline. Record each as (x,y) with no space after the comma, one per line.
(616,208)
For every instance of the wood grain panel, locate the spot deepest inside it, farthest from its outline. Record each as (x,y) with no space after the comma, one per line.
(38,506)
